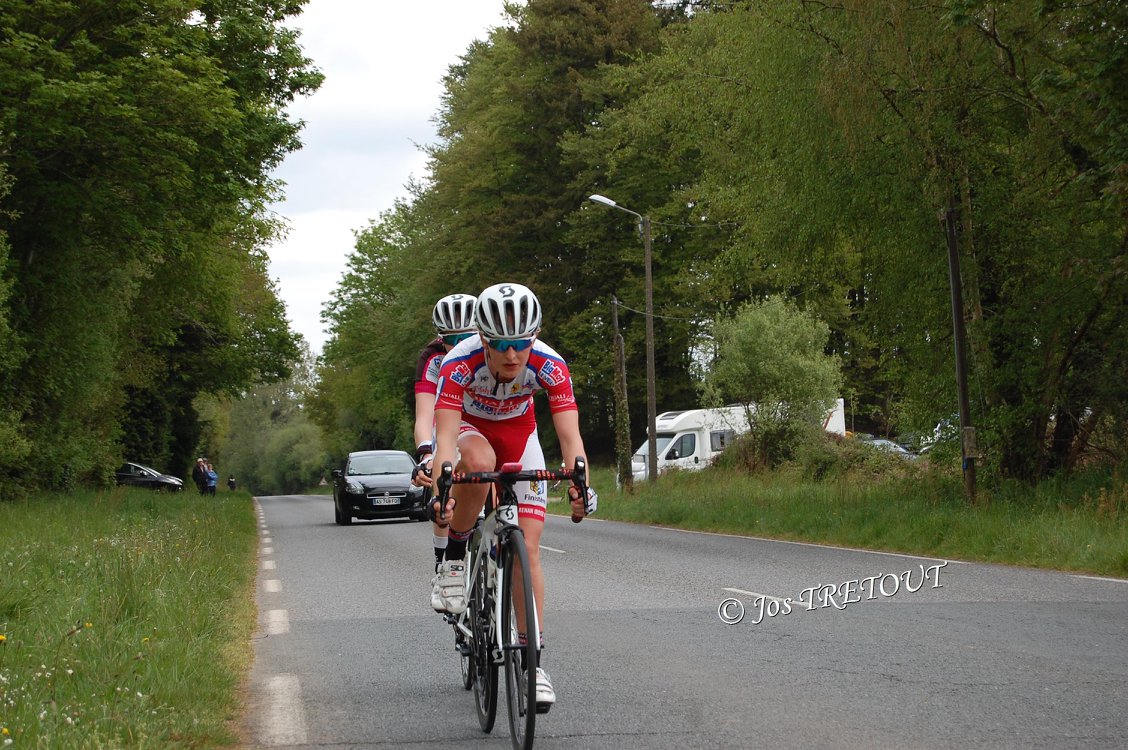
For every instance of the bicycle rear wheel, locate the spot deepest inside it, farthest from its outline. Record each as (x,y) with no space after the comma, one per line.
(520,659)
(484,667)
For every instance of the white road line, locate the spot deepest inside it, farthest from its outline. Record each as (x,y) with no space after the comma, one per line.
(268,565)
(283,722)
(277,622)
(267,540)
(272,585)
(754,595)
(813,544)
(1102,578)
(553,549)
(268,550)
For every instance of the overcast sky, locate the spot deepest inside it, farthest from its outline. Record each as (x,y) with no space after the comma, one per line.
(383,62)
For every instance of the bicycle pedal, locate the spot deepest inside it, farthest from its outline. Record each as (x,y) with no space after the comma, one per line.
(449,618)
(543,708)
(463,648)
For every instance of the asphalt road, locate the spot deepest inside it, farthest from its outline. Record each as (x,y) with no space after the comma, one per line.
(873,650)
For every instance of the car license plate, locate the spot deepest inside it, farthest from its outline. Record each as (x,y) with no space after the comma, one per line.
(385,501)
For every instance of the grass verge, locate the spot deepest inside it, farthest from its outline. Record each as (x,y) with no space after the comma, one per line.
(125,618)
(1077,525)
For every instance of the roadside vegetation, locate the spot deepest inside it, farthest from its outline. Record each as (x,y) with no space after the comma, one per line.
(881,502)
(125,619)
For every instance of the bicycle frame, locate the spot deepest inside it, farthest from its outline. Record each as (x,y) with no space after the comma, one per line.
(500,521)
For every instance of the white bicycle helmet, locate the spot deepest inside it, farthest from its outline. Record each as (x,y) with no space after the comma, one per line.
(508,311)
(454,313)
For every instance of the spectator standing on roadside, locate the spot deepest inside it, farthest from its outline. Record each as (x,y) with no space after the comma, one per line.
(200,476)
(213,479)
(231,481)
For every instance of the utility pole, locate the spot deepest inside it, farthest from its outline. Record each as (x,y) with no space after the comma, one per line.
(651,405)
(968,448)
(622,412)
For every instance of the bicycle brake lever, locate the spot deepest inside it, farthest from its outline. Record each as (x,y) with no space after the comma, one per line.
(445,480)
(579,478)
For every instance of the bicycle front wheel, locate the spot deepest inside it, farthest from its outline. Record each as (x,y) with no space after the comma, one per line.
(520,659)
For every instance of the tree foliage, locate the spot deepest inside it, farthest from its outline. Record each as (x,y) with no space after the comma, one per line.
(771,358)
(137,138)
(808,151)
(266,438)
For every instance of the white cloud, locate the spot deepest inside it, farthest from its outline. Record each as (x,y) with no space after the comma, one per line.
(384,62)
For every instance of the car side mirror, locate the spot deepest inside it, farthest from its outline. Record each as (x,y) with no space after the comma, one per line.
(336,473)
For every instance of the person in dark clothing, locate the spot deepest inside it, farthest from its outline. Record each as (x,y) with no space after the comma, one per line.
(231,482)
(200,476)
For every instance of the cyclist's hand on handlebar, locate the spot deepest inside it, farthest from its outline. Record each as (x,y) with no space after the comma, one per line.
(446,513)
(585,508)
(421,476)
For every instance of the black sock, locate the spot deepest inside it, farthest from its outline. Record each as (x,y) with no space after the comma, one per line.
(456,543)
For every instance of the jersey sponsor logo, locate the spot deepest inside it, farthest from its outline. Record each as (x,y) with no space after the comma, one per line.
(433,368)
(550,373)
(531,511)
(493,408)
(461,374)
(560,398)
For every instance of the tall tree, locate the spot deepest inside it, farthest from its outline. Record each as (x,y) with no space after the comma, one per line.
(139,137)
(495,203)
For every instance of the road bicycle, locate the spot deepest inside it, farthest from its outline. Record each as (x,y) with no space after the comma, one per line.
(486,634)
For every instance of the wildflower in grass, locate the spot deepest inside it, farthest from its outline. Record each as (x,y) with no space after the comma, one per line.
(89,625)
(3,638)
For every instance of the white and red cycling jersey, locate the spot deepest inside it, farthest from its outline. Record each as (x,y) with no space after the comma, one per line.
(503,413)
(466,384)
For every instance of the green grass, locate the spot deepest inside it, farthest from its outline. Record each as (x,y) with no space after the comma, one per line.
(1077,525)
(126,619)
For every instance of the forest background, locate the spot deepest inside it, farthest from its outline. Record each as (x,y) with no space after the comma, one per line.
(798,150)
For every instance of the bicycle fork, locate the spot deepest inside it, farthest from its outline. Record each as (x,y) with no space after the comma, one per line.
(503,628)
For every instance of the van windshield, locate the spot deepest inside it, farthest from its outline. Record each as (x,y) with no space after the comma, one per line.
(663,439)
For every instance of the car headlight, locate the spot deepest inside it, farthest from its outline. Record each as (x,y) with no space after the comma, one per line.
(354,487)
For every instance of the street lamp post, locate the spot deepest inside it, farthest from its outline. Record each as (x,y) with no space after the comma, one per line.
(651,405)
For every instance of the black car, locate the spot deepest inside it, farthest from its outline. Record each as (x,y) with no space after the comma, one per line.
(138,475)
(376,484)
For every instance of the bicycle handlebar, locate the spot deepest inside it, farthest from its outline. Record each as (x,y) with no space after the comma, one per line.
(448,478)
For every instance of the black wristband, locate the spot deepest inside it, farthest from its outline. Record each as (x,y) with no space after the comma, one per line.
(424,449)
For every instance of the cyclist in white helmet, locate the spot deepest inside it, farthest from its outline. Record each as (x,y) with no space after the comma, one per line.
(453,317)
(484,414)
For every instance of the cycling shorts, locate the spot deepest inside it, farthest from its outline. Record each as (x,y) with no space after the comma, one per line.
(520,445)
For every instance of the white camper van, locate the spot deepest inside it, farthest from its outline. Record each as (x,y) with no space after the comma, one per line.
(690,440)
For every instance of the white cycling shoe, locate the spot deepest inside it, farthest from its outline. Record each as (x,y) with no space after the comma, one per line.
(448,594)
(546,696)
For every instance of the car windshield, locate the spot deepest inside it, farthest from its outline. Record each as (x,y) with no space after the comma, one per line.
(392,463)
(661,441)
